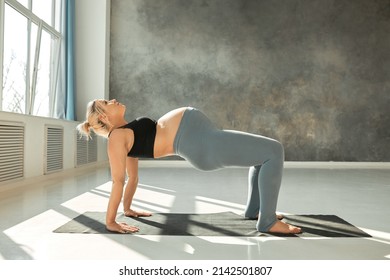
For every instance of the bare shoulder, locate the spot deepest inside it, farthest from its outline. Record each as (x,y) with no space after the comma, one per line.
(120,139)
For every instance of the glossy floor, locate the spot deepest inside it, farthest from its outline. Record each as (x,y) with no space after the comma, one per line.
(357,193)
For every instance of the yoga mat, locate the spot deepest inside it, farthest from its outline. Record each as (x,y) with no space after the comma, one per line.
(214,224)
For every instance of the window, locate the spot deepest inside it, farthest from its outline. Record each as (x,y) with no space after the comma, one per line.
(30,39)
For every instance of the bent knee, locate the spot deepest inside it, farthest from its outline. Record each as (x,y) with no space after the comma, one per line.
(278,149)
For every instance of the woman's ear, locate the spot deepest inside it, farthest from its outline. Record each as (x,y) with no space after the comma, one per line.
(103,119)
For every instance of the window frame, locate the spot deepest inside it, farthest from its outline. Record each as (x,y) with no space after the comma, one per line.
(55,51)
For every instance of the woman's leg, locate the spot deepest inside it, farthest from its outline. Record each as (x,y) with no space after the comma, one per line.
(253,203)
(208,148)
(235,148)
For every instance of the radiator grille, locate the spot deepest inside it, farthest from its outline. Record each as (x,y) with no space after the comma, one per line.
(86,150)
(11,151)
(54,152)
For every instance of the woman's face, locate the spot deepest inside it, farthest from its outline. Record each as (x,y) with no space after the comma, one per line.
(112,108)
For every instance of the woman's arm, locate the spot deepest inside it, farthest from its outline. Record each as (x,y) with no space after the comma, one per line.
(131,187)
(117,154)
(132,183)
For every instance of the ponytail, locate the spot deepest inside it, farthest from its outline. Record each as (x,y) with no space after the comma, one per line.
(84,129)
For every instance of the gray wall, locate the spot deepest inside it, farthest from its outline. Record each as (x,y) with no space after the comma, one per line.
(314,74)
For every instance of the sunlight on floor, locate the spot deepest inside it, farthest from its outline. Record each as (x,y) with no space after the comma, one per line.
(28,233)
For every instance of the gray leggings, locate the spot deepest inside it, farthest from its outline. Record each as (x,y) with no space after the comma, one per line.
(208,148)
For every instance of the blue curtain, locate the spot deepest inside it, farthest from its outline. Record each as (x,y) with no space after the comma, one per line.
(69,60)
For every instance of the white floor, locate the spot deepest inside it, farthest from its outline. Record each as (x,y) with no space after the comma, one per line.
(358,193)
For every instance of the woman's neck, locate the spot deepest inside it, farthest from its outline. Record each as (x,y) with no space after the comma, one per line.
(115,123)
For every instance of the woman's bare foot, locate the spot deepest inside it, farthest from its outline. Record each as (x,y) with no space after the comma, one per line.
(282,227)
(279,216)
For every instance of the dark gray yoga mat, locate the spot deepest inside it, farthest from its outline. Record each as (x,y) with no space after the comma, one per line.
(214,224)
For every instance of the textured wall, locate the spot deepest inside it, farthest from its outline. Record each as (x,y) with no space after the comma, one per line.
(314,74)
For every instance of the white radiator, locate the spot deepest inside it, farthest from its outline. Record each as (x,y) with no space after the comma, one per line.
(86,151)
(54,150)
(11,151)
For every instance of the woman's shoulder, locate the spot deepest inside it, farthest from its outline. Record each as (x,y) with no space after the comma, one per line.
(119,134)
(120,138)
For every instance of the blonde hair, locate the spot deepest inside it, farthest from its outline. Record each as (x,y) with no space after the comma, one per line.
(93,122)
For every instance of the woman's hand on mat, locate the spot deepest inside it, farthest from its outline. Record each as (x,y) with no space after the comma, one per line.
(121,228)
(132,213)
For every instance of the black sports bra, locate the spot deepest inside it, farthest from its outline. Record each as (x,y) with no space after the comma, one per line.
(144,130)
